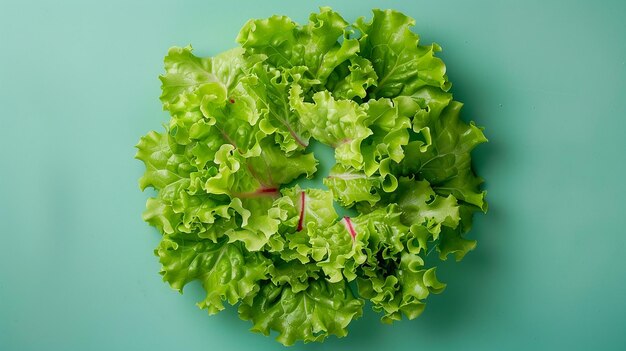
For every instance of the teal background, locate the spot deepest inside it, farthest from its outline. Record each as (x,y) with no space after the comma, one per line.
(78,87)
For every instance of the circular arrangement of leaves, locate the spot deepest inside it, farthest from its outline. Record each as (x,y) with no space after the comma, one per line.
(241,124)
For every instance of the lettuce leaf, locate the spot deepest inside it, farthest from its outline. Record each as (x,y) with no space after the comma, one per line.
(447,163)
(227,271)
(226,171)
(310,315)
(421,205)
(393,278)
(270,92)
(390,122)
(314,46)
(337,123)
(401,64)
(350,186)
(351,80)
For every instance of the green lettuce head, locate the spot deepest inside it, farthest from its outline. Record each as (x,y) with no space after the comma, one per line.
(240,129)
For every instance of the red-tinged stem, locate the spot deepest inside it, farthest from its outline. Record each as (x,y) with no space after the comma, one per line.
(301,219)
(350,227)
(267,190)
(297,137)
(258,193)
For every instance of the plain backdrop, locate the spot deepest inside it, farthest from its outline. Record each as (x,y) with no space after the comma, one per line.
(78,87)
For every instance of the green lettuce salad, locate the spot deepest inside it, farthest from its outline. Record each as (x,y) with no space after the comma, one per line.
(238,139)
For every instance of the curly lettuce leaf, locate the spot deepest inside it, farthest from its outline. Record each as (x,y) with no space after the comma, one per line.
(383,231)
(337,123)
(227,271)
(301,212)
(352,79)
(205,216)
(432,102)
(160,215)
(306,208)
(446,164)
(350,186)
(338,250)
(168,173)
(258,229)
(390,122)
(270,90)
(421,205)
(260,175)
(190,82)
(310,315)
(402,290)
(164,167)
(393,276)
(314,46)
(453,242)
(402,65)
(186,73)
(294,273)
(447,240)
(256,181)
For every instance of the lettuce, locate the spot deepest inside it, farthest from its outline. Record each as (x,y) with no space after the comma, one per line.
(225,171)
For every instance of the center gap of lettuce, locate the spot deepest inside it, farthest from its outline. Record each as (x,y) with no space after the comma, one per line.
(325,156)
